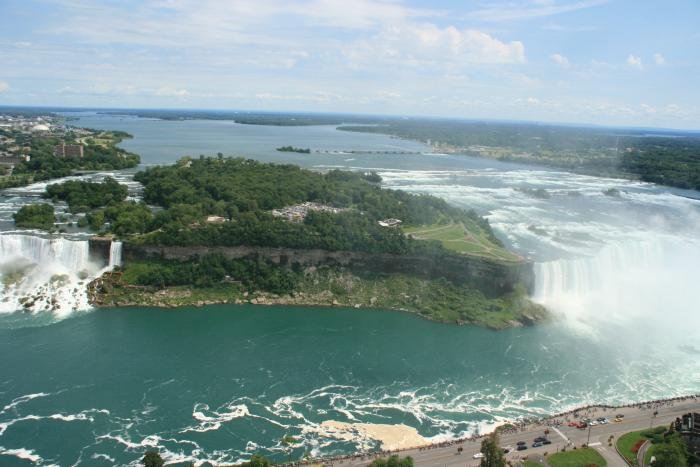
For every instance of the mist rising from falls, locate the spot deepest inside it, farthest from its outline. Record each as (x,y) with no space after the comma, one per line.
(631,283)
(47,274)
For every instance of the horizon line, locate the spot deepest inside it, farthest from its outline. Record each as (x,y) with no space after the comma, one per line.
(356,114)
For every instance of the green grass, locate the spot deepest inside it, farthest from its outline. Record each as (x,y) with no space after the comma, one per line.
(456,237)
(578,458)
(649,453)
(626,442)
(528,463)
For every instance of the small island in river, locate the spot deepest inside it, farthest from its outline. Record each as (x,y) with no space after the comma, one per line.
(293,149)
(231,230)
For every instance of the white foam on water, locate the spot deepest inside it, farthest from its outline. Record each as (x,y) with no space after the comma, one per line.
(210,420)
(98,456)
(22,399)
(21,453)
(48,273)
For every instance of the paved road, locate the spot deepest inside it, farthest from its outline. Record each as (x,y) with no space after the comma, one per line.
(635,419)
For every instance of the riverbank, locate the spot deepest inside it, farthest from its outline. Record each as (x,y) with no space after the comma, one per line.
(436,300)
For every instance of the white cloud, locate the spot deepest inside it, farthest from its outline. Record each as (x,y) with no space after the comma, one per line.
(634,61)
(4,87)
(560,60)
(524,9)
(419,44)
(168,91)
(562,28)
(659,59)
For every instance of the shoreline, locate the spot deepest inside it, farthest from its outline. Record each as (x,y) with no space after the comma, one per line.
(106,292)
(513,426)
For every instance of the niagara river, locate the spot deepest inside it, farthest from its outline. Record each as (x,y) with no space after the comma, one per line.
(616,261)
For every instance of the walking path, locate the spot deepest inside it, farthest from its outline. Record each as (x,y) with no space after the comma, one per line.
(642,453)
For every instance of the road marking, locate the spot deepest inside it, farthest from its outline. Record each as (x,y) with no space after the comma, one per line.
(560,433)
(596,444)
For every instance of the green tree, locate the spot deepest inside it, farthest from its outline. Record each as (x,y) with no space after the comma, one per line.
(671,453)
(493,454)
(35,216)
(153,459)
(393,461)
(257,461)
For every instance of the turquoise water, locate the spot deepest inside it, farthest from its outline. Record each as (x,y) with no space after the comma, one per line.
(219,383)
(222,382)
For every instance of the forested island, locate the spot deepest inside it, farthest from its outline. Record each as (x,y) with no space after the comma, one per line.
(231,230)
(293,149)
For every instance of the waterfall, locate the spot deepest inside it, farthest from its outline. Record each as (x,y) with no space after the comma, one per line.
(115,254)
(578,278)
(44,274)
(622,281)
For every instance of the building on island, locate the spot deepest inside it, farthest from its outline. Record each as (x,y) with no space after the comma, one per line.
(64,150)
(389,222)
(11,160)
(298,212)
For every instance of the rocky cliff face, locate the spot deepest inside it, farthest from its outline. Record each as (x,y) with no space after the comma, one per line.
(98,249)
(491,277)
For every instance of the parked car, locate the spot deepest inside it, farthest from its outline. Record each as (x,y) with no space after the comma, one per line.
(546,441)
(521,443)
(537,444)
(522,447)
(478,455)
(539,439)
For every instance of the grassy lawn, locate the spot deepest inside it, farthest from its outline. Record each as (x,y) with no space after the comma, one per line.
(458,238)
(578,458)
(649,453)
(626,443)
(528,463)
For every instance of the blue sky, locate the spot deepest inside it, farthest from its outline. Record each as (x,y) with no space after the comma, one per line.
(612,62)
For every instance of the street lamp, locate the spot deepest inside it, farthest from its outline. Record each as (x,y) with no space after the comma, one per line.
(588,441)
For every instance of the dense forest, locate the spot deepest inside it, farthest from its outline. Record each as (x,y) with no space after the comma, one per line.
(674,162)
(82,196)
(293,149)
(243,193)
(35,216)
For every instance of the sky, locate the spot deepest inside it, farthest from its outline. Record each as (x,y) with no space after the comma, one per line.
(611,62)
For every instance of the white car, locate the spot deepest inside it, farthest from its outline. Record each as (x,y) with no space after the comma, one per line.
(478,455)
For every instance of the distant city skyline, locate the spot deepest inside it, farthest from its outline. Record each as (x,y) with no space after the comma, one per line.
(607,62)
